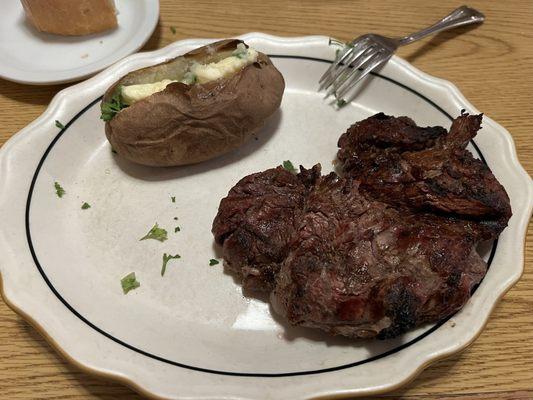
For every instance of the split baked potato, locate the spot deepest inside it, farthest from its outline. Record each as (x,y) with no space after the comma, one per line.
(194,107)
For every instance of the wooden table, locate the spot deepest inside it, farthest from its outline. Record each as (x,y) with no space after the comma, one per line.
(491,64)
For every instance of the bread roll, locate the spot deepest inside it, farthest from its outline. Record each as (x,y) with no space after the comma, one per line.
(71,17)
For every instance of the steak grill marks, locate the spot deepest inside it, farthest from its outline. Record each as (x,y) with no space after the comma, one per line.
(389,246)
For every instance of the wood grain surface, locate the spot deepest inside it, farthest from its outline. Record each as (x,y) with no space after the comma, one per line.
(491,64)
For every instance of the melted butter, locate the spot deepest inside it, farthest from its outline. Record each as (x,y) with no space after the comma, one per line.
(198,73)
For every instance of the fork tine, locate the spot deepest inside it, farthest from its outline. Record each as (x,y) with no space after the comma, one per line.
(345,53)
(377,60)
(357,74)
(344,63)
(336,62)
(355,64)
(342,73)
(336,69)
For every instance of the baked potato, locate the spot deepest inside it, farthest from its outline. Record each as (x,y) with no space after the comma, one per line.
(194,107)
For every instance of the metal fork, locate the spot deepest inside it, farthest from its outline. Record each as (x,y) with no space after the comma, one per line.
(368,52)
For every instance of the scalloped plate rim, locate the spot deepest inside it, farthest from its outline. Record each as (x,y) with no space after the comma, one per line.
(97,366)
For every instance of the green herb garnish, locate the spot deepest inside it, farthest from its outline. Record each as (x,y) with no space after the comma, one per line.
(341,103)
(175,218)
(59,190)
(289,167)
(173,29)
(85,206)
(60,125)
(156,233)
(177,229)
(189,78)
(173,199)
(241,51)
(129,282)
(112,107)
(213,262)
(166,259)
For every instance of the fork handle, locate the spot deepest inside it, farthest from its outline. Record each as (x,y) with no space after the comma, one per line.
(461,16)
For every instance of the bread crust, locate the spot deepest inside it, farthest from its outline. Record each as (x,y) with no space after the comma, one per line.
(71,18)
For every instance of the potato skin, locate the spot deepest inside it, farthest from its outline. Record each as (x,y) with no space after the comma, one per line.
(189,124)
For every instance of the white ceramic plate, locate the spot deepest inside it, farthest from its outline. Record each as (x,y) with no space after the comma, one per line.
(29,56)
(191,334)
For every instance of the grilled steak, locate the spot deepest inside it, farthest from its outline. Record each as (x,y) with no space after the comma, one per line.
(256,221)
(359,267)
(354,255)
(435,174)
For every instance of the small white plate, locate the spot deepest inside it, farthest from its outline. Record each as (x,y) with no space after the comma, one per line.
(33,57)
(191,334)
